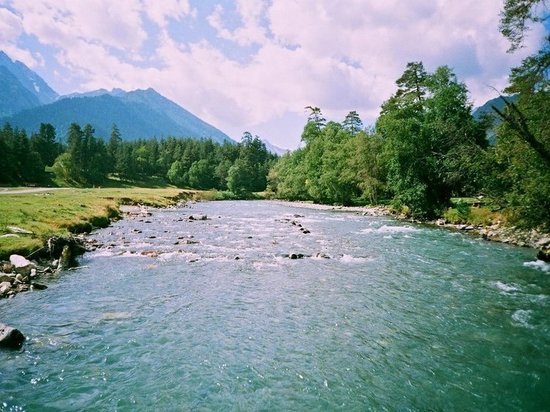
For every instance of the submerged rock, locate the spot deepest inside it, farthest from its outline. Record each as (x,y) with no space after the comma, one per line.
(10,338)
(150,253)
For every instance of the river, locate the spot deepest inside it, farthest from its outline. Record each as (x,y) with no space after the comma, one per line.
(179,314)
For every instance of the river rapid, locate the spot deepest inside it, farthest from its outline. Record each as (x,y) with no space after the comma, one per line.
(180,314)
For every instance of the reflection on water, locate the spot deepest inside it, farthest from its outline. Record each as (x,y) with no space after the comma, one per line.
(247,310)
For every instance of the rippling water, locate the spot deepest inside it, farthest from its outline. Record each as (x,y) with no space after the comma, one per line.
(384,315)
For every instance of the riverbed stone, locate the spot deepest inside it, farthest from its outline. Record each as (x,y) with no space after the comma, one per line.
(198,217)
(10,338)
(5,287)
(544,255)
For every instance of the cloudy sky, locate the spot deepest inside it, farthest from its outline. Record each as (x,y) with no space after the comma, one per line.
(255,64)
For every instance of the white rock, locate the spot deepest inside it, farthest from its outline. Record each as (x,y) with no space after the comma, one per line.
(19,261)
(4,287)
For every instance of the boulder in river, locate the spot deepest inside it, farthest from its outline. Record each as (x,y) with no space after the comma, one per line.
(10,338)
(295,256)
(544,255)
(198,217)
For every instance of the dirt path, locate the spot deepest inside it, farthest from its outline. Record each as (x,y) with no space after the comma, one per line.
(9,191)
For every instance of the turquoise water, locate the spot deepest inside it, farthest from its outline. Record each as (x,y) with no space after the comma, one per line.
(391,316)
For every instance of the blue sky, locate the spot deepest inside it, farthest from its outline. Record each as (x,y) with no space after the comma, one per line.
(253,65)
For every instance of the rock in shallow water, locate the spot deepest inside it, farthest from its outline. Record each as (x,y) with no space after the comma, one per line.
(10,338)
(544,255)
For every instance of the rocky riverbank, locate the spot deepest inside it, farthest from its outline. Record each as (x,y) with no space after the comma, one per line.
(20,274)
(497,232)
(533,238)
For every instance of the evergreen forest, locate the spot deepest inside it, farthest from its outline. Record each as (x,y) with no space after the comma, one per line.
(87,160)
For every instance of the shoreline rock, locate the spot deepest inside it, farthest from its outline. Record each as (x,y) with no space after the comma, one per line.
(20,274)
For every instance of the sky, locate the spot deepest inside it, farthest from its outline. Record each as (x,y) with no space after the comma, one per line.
(254,65)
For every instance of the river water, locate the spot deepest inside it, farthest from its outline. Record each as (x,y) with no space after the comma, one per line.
(378,315)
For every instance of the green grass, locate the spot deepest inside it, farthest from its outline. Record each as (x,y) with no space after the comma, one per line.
(65,211)
(473,211)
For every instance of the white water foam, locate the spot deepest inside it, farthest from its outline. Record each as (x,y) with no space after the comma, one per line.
(539,265)
(507,287)
(521,317)
(354,259)
(391,229)
(266,265)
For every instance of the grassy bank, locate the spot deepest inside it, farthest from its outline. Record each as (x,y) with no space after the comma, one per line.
(64,211)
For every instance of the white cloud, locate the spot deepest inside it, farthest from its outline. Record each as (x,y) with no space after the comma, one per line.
(11,26)
(161,11)
(62,23)
(251,30)
(338,56)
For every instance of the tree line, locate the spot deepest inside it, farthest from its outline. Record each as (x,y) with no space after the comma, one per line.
(87,160)
(426,147)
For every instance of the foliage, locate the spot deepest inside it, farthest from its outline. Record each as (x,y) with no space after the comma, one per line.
(520,172)
(87,160)
(517,14)
(432,144)
(21,157)
(426,148)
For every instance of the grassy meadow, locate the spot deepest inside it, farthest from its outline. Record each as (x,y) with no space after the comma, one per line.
(71,210)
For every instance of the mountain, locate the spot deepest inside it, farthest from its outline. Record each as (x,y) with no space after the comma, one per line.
(486,110)
(27,101)
(28,80)
(15,97)
(274,149)
(137,114)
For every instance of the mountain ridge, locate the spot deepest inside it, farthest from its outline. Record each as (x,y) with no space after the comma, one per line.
(28,101)
(138,114)
(29,79)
